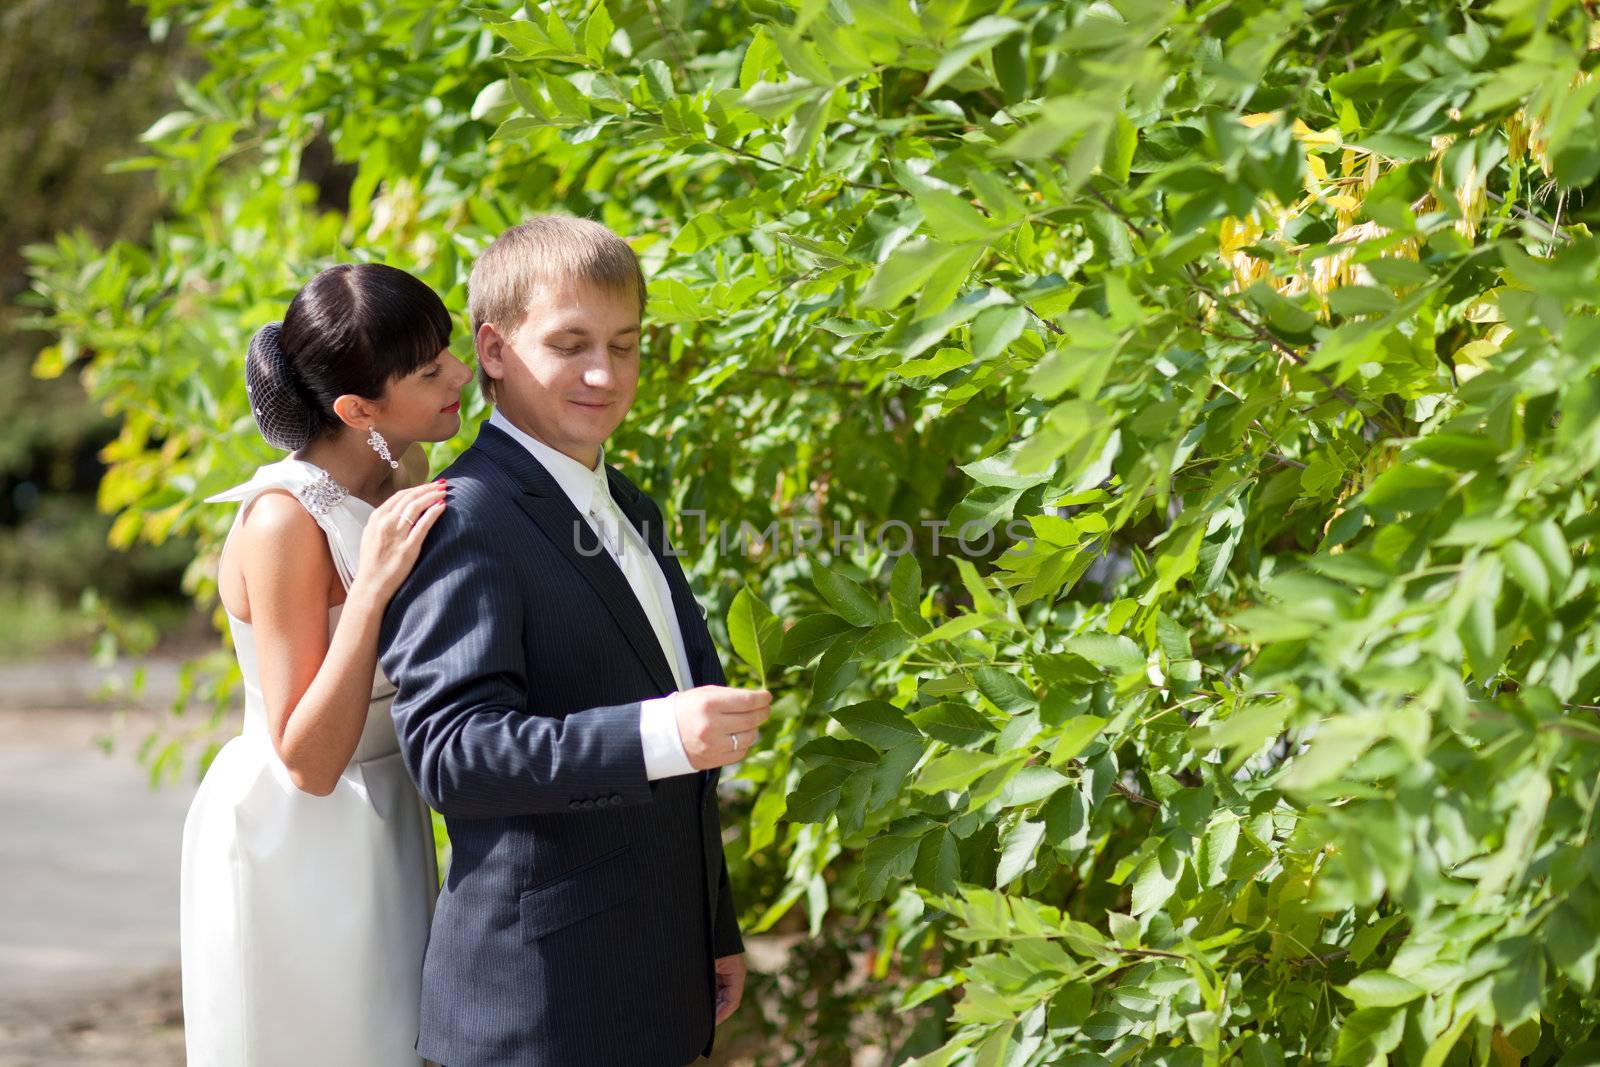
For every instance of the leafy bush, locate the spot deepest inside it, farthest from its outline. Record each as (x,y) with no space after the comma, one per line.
(82,80)
(1250,344)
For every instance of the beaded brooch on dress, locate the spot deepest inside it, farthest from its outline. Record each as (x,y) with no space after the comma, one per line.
(321,494)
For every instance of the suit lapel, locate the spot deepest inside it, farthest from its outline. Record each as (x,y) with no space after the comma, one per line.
(544,501)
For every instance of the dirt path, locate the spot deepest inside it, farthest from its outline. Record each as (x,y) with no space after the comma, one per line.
(88,904)
(136,1025)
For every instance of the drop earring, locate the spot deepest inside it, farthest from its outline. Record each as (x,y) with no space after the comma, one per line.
(380,446)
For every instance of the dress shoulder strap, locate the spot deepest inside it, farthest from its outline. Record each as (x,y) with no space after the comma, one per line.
(340,515)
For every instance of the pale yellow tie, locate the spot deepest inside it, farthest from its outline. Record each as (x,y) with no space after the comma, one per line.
(610,522)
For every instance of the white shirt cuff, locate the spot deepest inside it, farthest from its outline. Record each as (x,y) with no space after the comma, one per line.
(658,731)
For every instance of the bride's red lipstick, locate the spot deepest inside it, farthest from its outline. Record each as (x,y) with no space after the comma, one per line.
(452,409)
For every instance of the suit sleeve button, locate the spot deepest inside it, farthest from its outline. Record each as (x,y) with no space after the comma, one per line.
(616,799)
(574,805)
(588,803)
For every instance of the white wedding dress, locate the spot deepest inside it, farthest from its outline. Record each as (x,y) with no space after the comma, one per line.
(304,918)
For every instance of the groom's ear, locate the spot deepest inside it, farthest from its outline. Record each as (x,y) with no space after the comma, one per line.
(490,347)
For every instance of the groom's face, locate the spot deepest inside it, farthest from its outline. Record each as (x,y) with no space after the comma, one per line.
(568,373)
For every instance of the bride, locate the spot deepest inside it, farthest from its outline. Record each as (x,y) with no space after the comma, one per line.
(308,875)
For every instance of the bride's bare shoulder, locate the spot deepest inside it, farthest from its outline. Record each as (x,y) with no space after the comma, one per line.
(280,524)
(277,549)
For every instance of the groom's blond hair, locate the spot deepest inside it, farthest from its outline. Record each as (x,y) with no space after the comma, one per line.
(545,250)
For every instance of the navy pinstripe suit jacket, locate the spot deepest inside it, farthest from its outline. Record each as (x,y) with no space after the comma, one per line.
(584,903)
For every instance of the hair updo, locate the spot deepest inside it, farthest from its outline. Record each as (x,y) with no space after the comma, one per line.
(351,329)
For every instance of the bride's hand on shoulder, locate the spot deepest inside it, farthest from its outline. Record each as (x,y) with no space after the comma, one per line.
(393,536)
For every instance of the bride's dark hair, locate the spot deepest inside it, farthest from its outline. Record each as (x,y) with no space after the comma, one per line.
(351,329)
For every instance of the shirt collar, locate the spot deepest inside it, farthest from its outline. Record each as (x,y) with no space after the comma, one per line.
(580,483)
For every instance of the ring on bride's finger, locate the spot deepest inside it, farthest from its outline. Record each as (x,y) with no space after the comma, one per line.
(733,739)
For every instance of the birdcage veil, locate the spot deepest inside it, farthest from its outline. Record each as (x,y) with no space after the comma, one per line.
(278,402)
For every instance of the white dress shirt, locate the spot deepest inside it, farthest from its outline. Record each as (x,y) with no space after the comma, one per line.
(591,496)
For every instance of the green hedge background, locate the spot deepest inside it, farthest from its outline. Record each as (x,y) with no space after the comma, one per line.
(1251,344)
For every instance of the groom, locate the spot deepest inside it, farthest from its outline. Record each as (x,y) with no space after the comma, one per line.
(560,701)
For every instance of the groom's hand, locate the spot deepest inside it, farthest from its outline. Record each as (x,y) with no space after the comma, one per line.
(730,984)
(718,723)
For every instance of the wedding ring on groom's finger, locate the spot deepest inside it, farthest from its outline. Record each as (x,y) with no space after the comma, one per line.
(733,739)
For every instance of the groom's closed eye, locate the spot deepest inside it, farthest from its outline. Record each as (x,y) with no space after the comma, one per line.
(621,350)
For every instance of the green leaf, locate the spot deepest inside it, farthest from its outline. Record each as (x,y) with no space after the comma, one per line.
(1524,567)
(956,724)
(841,750)
(1361,300)
(492,101)
(1516,989)
(569,101)
(956,770)
(801,134)
(1017,851)
(878,723)
(765,815)
(890,776)
(983,601)
(1368,1033)
(702,231)
(1332,750)
(817,795)
(1066,820)
(853,603)
(1217,848)
(883,642)
(980,36)
(597,32)
(524,95)
(1060,119)
(1573,944)
(950,219)
(809,637)
(1408,488)
(886,859)
(556,27)
(1546,539)
(1283,313)
(801,56)
(992,1052)
(658,78)
(1030,785)
(1005,690)
(907,269)
(905,595)
(1380,989)
(938,863)
(1156,879)
(776,100)
(995,328)
(1000,470)
(1107,650)
(526,37)
(1075,736)
(1244,731)
(755,632)
(836,670)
